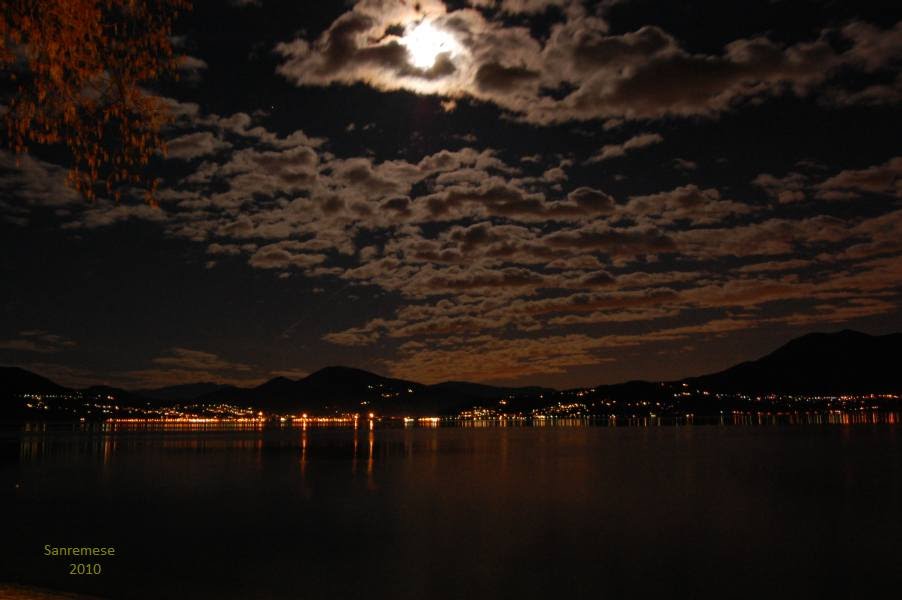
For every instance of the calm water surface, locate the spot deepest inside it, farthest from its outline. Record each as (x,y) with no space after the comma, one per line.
(525,512)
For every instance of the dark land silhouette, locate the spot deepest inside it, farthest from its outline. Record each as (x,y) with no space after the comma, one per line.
(819,370)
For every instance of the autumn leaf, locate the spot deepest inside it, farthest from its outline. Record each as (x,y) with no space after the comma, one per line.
(78,69)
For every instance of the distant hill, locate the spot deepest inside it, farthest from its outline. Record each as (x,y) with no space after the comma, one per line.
(488,392)
(633,390)
(342,389)
(121,396)
(14,380)
(818,363)
(185,392)
(348,389)
(336,389)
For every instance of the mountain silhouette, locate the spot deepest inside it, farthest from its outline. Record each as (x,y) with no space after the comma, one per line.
(818,363)
(335,389)
(183,392)
(343,389)
(814,364)
(488,392)
(14,380)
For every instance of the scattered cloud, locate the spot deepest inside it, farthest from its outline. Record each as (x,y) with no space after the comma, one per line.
(634,143)
(34,182)
(785,190)
(186,365)
(194,145)
(885,179)
(38,341)
(504,263)
(684,164)
(636,75)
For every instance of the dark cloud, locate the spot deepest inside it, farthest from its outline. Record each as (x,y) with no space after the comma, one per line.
(284,255)
(32,181)
(38,341)
(684,164)
(627,241)
(785,190)
(186,365)
(883,179)
(193,145)
(592,200)
(687,203)
(634,143)
(495,78)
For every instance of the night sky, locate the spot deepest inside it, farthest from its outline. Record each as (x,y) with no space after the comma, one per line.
(526,191)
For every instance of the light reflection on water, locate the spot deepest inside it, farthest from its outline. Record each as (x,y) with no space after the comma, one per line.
(800,506)
(107,438)
(104,439)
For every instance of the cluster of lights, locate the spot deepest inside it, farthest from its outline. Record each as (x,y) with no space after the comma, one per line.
(106,407)
(562,409)
(479,413)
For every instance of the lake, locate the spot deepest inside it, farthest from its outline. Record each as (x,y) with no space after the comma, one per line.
(701,511)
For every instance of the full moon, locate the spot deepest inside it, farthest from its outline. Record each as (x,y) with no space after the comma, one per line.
(425,42)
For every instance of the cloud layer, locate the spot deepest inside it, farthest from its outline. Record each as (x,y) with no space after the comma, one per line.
(494,263)
(581,71)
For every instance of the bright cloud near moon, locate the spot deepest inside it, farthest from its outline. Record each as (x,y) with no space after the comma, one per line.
(425,42)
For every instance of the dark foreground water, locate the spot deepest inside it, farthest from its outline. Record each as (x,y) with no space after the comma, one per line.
(530,512)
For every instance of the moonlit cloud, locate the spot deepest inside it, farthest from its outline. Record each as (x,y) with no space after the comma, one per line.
(193,145)
(492,266)
(499,190)
(885,179)
(634,143)
(642,74)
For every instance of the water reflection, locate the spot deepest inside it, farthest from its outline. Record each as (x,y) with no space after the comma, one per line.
(570,508)
(106,440)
